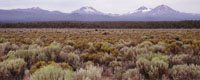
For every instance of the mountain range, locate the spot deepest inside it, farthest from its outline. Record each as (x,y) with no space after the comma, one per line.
(159,13)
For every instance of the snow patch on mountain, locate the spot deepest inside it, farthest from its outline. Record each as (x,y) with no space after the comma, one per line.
(163,9)
(87,10)
(29,9)
(142,9)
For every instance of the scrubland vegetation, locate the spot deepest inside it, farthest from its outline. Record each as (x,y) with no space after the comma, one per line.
(98,54)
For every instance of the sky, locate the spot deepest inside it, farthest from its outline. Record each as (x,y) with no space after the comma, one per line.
(106,6)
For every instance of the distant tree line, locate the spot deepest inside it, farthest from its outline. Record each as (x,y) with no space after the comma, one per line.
(106,25)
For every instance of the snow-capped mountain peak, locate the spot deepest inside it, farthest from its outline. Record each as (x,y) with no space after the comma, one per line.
(142,9)
(163,9)
(35,8)
(87,10)
(30,9)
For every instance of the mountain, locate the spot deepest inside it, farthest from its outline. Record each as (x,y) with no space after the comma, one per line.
(163,9)
(142,9)
(87,10)
(37,10)
(33,9)
(159,13)
(31,14)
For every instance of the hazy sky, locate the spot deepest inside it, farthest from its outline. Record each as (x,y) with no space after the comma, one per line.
(106,6)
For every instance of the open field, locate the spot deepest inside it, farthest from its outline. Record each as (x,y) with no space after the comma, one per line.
(99,54)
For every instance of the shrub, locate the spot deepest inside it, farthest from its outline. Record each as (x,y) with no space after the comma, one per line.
(24,46)
(27,55)
(173,36)
(12,67)
(131,43)
(21,53)
(115,63)
(65,65)
(85,56)
(89,73)
(129,64)
(14,47)
(106,48)
(26,75)
(73,59)
(54,47)
(188,49)
(187,41)
(139,51)
(42,64)
(27,41)
(144,47)
(38,42)
(105,33)
(30,54)
(196,47)
(119,45)
(185,72)
(174,48)
(115,52)
(124,50)
(179,59)
(106,58)
(132,74)
(2,40)
(63,56)
(1,59)
(159,48)
(69,42)
(128,53)
(118,72)
(100,52)
(153,66)
(91,49)
(81,45)
(68,48)
(88,63)
(146,44)
(52,73)
(194,59)
(41,57)
(37,66)
(4,48)
(96,57)
(52,51)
